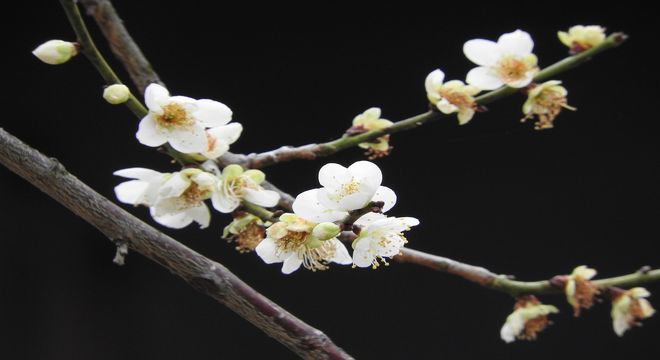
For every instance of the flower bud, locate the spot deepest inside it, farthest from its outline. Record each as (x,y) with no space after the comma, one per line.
(116,94)
(326,231)
(55,52)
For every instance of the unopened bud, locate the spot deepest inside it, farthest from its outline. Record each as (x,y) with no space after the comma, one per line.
(326,231)
(116,94)
(55,52)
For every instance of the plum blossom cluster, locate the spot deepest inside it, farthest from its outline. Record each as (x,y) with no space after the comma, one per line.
(200,129)
(177,199)
(308,236)
(509,61)
(530,317)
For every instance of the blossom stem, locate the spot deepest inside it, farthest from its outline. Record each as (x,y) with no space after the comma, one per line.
(259,211)
(89,49)
(314,151)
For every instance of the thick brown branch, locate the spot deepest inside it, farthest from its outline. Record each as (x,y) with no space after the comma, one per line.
(203,274)
(121,43)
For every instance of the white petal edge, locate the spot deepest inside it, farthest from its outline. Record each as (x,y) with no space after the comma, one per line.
(291,264)
(483,78)
(481,52)
(154,96)
(190,140)
(516,43)
(309,208)
(211,113)
(149,133)
(387,196)
(131,192)
(265,198)
(333,175)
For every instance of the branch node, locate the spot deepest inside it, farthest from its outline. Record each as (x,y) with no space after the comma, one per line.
(121,253)
(644,270)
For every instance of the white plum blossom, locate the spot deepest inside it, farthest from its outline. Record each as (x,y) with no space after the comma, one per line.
(219,138)
(579,290)
(179,120)
(55,52)
(451,97)
(527,320)
(380,237)
(629,307)
(346,189)
(509,61)
(580,37)
(237,184)
(175,200)
(545,101)
(295,241)
(371,120)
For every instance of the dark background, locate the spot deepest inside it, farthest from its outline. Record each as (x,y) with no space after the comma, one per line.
(493,192)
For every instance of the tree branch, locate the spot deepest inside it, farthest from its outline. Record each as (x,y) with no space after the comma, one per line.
(121,43)
(314,151)
(205,275)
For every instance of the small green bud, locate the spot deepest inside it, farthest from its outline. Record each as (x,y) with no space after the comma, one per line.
(326,231)
(116,94)
(55,52)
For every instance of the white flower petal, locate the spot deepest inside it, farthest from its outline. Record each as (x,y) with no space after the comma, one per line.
(223,203)
(333,175)
(484,78)
(341,253)
(173,220)
(481,52)
(267,251)
(366,170)
(227,133)
(354,201)
(369,218)
(362,257)
(522,82)
(189,140)
(309,208)
(201,215)
(387,196)
(446,107)
(211,113)
(265,198)
(131,192)
(149,133)
(174,186)
(154,96)
(291,264)
(138,173)
(516,43)
(434,80)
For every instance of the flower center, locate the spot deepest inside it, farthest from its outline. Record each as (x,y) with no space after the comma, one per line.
(511,68)
(533,327)
(194,195)
(174,116)
(248,239)
(292,241)
(316,259)
(457,98)
(350,188)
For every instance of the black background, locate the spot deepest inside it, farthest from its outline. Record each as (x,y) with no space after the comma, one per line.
(493,192)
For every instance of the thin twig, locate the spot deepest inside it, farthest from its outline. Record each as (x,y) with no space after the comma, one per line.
(205,275)
(121,43)
(314,151)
